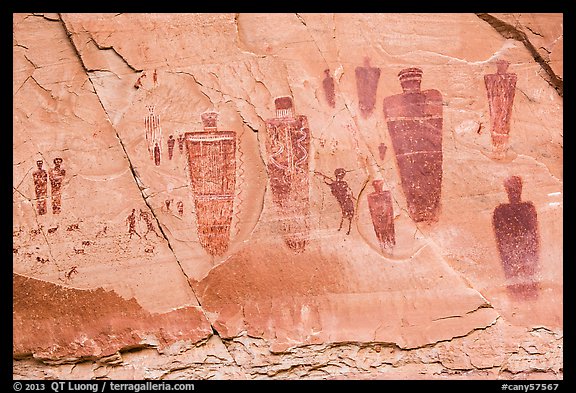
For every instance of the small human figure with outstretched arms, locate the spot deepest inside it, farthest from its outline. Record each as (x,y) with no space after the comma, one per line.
(343,193)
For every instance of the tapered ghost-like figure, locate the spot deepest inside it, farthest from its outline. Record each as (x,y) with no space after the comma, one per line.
(212,171)
(414,120)
(517,238)
(382,213)
(501,88)
(287,146)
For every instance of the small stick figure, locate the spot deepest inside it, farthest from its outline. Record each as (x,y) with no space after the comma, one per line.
(181,143)
(131,221)
(138,83)
(180,206)
(149,225)
(72,227)
(343,193)
(171,142)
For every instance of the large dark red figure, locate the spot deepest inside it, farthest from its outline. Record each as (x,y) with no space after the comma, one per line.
(516,230)
(415,124)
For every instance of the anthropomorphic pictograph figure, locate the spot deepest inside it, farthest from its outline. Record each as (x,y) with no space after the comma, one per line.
(149,225)
(171,142)
(287,149)
(56,178)
(131,221)
(40,177)
(382,213)
(343,194)
(211,155)
(515,226)
(328,85)
(414,120)
(501,88)
(366,87)
(153,135)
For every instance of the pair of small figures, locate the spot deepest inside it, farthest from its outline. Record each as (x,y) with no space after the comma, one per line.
(40,177)
(379,203)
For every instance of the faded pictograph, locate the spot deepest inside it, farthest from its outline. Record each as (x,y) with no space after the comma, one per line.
(328,86)
(501,88)
(171,142)
(153,134)
(343,194)
(212,170)
(382,149)
(515,227)
(287,147)
(367,85)
(382,214)
(73,227)
(181,143)
(155,78)
(414,120)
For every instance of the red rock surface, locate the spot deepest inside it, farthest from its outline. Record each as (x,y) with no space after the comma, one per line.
(55,322)
(160,243)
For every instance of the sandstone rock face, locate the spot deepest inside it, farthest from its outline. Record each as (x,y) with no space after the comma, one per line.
(325,196)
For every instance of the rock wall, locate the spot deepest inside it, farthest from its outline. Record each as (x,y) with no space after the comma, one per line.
(220,196)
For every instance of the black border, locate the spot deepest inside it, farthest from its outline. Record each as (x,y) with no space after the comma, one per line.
(300,6)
